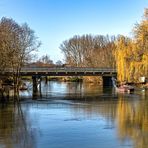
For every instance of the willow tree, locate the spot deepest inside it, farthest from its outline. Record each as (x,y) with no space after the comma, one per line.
(17,42)
(141,39)
(124,58)
(132,54)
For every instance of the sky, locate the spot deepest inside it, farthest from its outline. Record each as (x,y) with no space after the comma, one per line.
(55,21)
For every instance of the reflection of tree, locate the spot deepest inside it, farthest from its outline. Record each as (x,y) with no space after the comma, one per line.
(82,90)
(14,129)
(131,115)
(132,118)
(92,87)
(96,106)
(74,89)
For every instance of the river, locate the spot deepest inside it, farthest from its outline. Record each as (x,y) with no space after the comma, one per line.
(76,115)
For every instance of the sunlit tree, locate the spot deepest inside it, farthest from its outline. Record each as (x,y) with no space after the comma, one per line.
(132,54)
(17,42)
(89,51)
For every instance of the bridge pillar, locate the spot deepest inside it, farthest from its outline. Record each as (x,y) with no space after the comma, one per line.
(107,81)
(36,91)
(40,86)
(46,79)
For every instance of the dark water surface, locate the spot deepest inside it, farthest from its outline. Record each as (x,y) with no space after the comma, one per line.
(76,115)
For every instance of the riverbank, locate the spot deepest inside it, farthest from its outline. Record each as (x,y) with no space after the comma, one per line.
(89,79)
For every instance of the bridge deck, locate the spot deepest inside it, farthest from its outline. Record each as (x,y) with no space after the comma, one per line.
(64,71)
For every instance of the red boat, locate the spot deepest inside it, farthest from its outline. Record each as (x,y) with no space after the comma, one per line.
(122,88)
(125,88)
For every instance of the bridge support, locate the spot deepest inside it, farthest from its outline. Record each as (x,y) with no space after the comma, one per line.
(107,81)
(46,80)
(36,91)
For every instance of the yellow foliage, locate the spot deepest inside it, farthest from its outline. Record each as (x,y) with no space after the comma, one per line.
(132,54)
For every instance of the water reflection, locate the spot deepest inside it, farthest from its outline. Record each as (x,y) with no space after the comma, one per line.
(132,121)
(76,115)
(62,89)
(15,129)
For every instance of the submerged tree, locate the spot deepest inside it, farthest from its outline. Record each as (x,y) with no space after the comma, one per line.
(17,42)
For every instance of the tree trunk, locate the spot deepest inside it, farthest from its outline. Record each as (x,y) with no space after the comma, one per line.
(16,88)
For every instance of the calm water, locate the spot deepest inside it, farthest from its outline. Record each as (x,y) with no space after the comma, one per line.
(76,115)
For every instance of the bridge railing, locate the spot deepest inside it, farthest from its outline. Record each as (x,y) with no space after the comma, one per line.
(67,69)
(63,69)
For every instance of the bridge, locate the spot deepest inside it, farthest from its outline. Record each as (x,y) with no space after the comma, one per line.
(38,72)
(64,71)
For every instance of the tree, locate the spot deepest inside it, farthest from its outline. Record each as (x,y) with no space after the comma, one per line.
(59,63)
(141,41)
(132,53)
(88,50)
(46,59)
(124,58)
(17,42)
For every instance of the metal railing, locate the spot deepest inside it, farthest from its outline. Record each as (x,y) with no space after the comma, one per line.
(63,69)
(66,69)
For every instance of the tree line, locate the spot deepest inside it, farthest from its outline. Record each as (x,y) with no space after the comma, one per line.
(128,55)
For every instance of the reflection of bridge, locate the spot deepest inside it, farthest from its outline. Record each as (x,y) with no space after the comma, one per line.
(66,71)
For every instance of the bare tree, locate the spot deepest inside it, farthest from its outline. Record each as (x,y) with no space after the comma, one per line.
(17,42)
(46,59)
(88,50)
(59,63)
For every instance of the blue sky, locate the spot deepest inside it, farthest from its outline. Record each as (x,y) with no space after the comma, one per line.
(57,20)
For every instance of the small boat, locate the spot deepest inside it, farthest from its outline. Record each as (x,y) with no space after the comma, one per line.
(122,88)
(125,88)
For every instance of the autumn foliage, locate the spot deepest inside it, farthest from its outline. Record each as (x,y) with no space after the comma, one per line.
(132,53)
(128,55)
